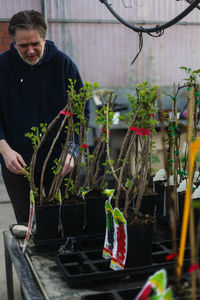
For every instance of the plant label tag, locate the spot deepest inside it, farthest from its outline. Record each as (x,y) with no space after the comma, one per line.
(120,241)
(30,221)
(109,236)
(156,286)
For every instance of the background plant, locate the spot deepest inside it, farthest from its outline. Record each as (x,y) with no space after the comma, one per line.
(93,162)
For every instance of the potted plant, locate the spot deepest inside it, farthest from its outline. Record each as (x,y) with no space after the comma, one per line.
(96,170)
(133,169)
(71,122)
(176,164)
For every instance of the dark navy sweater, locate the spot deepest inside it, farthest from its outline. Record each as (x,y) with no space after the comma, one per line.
(30,95)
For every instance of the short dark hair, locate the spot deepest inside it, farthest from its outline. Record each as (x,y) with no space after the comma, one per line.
(27,19)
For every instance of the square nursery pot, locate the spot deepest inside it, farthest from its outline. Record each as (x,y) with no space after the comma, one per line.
(162,215)
(47,222)
(181,201)
(139,251)
(148,204)
(73,219)
(95,214)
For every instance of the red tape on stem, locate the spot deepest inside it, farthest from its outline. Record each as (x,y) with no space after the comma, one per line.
(171,256)
(66,113)
(193,268)
(84,146)
(140,131)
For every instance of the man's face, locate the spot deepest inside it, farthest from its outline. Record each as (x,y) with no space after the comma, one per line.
(29,45)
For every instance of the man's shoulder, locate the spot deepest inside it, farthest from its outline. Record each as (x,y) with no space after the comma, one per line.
(60,58)
(4,57)
(4,54)
(54,52)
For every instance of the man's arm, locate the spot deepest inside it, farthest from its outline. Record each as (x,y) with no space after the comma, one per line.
(68,165)
(13,160)
(70,159)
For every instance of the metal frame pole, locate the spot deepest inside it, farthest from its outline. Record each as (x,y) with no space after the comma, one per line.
(9,271)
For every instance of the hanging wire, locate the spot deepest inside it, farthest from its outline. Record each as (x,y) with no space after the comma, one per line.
(140,34)
(140,47)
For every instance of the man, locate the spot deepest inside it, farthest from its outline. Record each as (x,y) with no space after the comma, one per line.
(34,76)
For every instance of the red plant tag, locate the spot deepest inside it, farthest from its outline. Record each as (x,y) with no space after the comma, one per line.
(140,131)
(120,241)
(171,256)
(66,113)
(193,268)
(145,293)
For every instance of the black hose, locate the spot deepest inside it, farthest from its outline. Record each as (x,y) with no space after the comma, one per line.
(157,28)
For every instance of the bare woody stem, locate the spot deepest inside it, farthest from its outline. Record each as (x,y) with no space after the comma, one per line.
(143,175)
(34,156)
(133,183)
(58,178)
(108,150)
(94,179)
(82,134)
(125,141)
(47,159)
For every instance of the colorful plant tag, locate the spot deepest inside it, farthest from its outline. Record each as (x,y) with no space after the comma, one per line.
(109,193)
(30,221)
(120,241)
(109,236)
(60,226)
(155,288)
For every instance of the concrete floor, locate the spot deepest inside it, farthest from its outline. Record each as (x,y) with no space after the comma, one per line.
(6,218)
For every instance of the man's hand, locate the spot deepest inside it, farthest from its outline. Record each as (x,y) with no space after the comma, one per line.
(68,165)
(13,160)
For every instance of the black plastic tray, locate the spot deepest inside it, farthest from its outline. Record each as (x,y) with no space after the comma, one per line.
(89,267)
(70,244)
(127,294)
(131,293)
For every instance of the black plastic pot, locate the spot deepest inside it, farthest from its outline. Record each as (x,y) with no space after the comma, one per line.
(149,203)
(162,215)
(140,237)
(47,221)
(73,219)
(95,215)
(181,201)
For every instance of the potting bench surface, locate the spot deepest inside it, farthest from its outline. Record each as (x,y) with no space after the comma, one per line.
(77,271)
(40,277)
